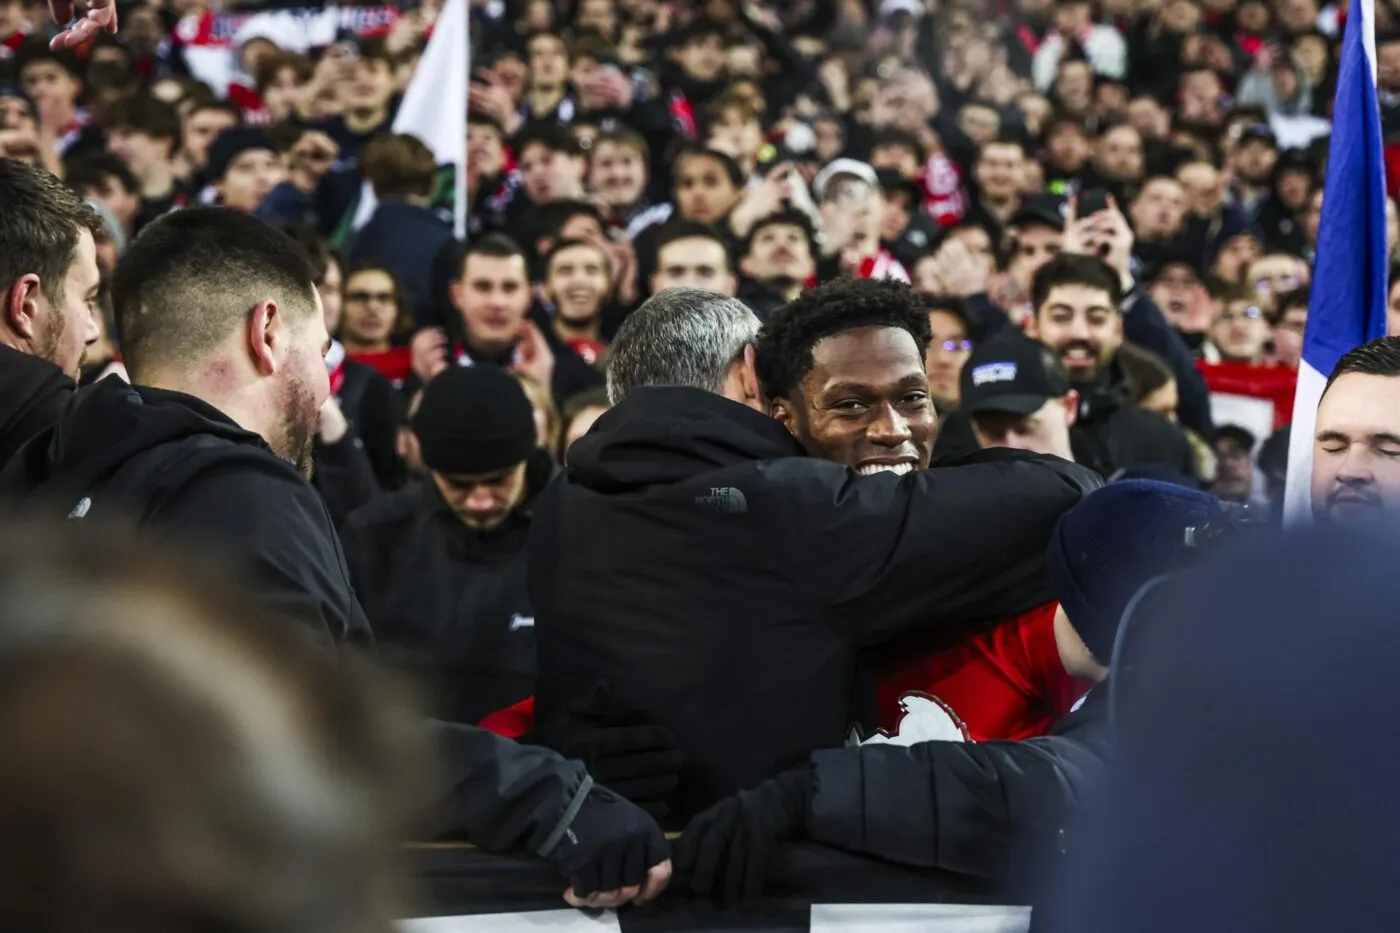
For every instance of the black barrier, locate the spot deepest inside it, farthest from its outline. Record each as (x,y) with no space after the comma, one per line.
(460,880)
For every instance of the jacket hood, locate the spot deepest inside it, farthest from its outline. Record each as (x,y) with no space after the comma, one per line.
(107,424)
(665,435)
(1105,395)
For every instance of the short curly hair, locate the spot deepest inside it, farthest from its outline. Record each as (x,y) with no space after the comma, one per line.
(783,355)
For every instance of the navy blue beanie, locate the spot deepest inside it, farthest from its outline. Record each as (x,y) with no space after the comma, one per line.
(1116,539)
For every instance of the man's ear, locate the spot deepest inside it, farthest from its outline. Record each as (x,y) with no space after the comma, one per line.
(267,330)
(21,307)
(1033,326)
(1071,402)
(454,290)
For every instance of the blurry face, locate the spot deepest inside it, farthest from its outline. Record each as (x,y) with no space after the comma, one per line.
(734,132)
(1075,87)
(599,16)
(1276,275)
(1234,471)
(696,263)
(65,329)
(1312,217)
(579,426)
(1203,186)
(1119,154)
(1297,15)
(1148,117)
(46,81)
(485,152)
(1071,17)
(976,239)
(200,131)
(779,252)
(1163,400)
(249,178)
(829,141)
(900,158)
(1288,336)
(1081,324)
(895,215)
(283,95)
(1235,257)
(1239,332)
(1294,187)
(704,191)
(1044,431)
(1068,147)
(1159,209)
(1256,161)
(1356,451)
(618,174)
(493,297)
(1036,245)
(998,172)
(11,17)
(371,85)
(123,204)
(1175,290)
(865,403)
(981,124)
(329,290)
(140,152)
(549,63)
(947,353)
(549,175)
(370,309)
(577,283)
(483,502)
(703,59)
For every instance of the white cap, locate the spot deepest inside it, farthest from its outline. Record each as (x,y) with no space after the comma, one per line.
(861,170)
(890,7)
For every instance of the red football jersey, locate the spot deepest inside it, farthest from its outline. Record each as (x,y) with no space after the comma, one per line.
(1005,683)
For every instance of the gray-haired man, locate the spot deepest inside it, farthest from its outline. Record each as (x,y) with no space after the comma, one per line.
(723,582)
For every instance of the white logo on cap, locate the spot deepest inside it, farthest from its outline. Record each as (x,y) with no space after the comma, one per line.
(993,372)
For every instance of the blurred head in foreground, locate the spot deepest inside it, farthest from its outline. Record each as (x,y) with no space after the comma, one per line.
(176,764)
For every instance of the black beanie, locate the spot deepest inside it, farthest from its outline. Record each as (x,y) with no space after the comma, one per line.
(232,143)
(474,420)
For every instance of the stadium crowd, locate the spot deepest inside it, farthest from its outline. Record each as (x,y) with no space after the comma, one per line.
(780,452)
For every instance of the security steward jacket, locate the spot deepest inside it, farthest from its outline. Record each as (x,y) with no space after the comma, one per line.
(723,583)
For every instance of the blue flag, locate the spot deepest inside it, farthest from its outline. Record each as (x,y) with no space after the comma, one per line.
(1348,306)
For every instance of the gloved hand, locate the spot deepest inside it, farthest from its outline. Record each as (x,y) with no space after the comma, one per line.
(623,749)
(612,853)
(725,852)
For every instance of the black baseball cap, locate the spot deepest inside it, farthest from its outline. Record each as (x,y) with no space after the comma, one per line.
(1013,374)
(1046,209)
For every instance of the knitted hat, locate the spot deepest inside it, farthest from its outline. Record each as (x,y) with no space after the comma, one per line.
(231,144)
(1116,539)
(474,420)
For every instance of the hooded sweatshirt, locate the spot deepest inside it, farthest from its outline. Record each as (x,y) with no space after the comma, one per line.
(183,470)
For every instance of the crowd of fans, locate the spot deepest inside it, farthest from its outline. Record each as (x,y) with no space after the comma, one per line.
(1106,214)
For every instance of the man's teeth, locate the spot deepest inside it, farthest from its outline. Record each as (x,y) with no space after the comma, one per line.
(870,469)
(1077,353)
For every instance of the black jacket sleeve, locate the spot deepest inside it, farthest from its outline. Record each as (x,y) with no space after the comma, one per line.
(500,795)
(1145,325)
(948,546)
(344,476)
(977,809)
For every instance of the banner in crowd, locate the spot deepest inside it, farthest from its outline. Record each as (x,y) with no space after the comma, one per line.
(305,28)
(434,108)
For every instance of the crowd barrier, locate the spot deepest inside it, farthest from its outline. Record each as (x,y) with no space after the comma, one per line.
(812,888)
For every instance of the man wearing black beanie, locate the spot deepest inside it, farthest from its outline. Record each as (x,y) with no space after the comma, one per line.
(440,565)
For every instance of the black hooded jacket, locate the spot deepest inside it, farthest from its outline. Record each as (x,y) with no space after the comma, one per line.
(32,395)
(183,469)
(447,602)
(724,583)
(1112,433)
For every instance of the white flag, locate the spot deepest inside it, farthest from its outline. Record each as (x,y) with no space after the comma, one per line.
(434,108)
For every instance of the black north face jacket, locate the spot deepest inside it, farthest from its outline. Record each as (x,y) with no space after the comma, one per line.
(724,584)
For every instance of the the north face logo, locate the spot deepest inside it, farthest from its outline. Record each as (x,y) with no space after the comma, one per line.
(518,622)
(723,499)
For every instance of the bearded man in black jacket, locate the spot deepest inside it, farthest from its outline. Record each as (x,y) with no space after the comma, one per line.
(49,281)
(224,337)
(723,583)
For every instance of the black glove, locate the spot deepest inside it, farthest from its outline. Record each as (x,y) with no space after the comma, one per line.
(725,852)
(609,845)
(622,748)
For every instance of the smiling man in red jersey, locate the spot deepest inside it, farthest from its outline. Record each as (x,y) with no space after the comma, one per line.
(850,385)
